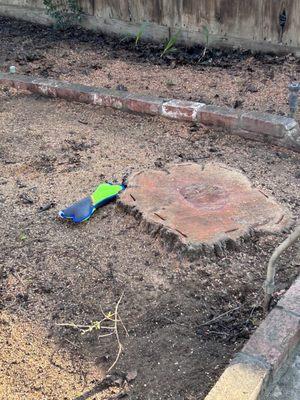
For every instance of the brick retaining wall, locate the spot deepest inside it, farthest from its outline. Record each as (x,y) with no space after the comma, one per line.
(269,128)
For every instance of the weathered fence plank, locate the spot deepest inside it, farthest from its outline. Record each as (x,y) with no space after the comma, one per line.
(271,25)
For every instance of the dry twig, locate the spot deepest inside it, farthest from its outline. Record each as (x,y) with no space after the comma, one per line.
(120,346)
(110,317)
(220,316)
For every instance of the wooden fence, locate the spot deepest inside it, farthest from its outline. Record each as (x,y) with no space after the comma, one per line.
(268,25)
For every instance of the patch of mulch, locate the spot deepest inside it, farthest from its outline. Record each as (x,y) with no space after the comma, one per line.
(185,320)
(232,78)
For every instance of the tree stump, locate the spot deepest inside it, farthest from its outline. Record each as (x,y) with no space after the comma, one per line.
(201,208)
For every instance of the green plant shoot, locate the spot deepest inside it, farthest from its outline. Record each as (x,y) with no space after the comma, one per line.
(169,47)
(206,35)
(140,33)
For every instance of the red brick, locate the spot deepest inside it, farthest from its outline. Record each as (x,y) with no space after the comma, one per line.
(143,104)
(291,299)
(181,110)
(273,125)
(275,338)
(110,98)
(219,116)
(80,93)
(52,88)
(64,90)
(17,82)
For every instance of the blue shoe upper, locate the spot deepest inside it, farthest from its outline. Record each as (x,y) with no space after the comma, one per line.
(79,211)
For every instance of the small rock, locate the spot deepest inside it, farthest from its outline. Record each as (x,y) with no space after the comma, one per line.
(46,287)
(96,66)
(131,375)
(282,155)
(22,297)
(119,381)
(173,64)
(297,175)
(46,207)
(20,184)
(251,88)
(194,128)
(26,199)
(9,161)
(158,163)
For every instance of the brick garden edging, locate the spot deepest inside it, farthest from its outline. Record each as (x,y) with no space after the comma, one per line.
(264,355)
(273,129)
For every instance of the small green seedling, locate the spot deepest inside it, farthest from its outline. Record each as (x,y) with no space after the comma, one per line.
(127,36)
(23,236)
(206,37)
(169,47)
(140,33)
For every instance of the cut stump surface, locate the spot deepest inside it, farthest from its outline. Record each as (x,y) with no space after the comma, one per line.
(197,208)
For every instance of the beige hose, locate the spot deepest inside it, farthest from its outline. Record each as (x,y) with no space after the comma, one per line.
(269,285)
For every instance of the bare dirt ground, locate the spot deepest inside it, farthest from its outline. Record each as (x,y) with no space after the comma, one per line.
(53,153)
(235,79)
